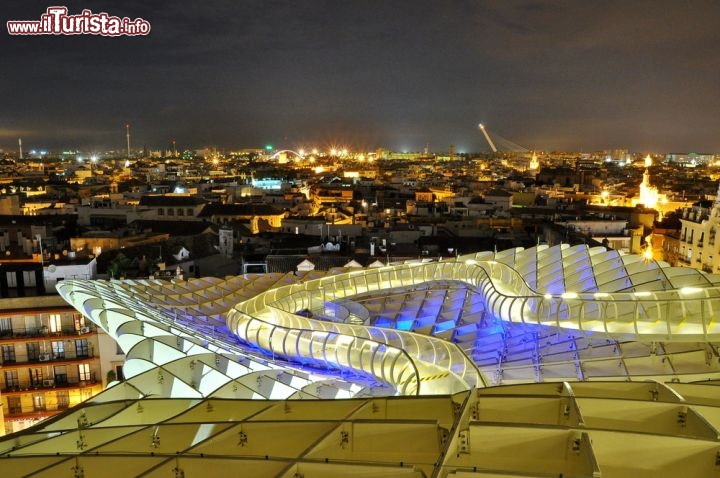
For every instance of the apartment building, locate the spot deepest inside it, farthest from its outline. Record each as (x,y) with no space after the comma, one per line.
(696,247)
(49,359)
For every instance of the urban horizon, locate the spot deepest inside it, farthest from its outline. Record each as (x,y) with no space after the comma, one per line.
(560,76)
(39,148)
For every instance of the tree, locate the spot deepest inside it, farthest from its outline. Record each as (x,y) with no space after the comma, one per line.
(119,266)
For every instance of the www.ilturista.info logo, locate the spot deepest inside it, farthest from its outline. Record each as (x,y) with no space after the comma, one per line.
(56,21)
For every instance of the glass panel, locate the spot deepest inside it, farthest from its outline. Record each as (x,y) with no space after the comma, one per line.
(84,372)
(6,327)
(55,323)
(11,379)
(81,348)
(63,399)
(58,349)
(14,406)
(60,372)
(8,354)
(33,350)
(39,402)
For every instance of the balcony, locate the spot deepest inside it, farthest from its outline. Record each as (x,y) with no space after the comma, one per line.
(20,335)
(49,384)
(35,413)
(48,359)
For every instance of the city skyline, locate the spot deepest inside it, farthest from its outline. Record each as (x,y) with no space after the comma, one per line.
(548,76)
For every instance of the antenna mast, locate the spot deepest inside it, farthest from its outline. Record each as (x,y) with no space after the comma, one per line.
(127,133)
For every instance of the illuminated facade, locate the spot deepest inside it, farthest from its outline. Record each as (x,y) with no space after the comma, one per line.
(246,372)
(649,195)
(696,246)
(49,360)
(534,163)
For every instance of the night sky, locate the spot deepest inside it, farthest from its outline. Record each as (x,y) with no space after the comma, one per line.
(552,75)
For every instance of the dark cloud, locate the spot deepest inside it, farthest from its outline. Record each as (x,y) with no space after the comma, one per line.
(399,74)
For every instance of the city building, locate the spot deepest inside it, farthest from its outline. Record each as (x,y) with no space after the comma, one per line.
(696,246)
(50,359)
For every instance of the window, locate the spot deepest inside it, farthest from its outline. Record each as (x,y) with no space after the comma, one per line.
(120,376)
(14,406)
(55,323)
(63,399)
(161,211)
(60,372)
(6,327)
(189,212)
(171,211)
(85,393)
(79,321)
(39,402)
(81,348)
(36,377)
(11,379)
(8,354)
(84,372)
(33,350)
(58,349)
(180,211)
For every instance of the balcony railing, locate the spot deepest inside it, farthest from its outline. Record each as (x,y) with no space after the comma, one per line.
(42,333)
(49,384)
(48,358)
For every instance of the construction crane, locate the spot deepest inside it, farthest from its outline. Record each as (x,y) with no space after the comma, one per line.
(487,137)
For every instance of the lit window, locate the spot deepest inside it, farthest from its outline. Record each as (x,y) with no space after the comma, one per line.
(39,402)
(55,323)
(84,372)
(63,399)
(79,321)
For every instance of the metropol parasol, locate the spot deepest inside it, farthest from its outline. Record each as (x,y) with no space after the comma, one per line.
(548,361)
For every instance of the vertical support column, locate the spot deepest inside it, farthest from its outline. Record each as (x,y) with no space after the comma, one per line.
(40,280)
(3,283)
(20,281)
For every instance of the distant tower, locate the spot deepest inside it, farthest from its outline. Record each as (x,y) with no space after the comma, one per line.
(127,133)
(648,195)
(20,145)
(534,163)
(174,150)
(452,152)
